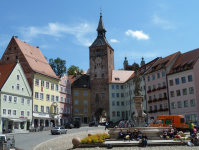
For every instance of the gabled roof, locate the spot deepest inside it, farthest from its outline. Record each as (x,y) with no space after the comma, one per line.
(188,58)
(35,59)
(72,79)
(122,75)
(81,81)
(166,61)
(5,71)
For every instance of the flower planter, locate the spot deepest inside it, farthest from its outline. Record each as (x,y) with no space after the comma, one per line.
(160,110)
(149,91)
(164,87)
(150,111)
(166,109)
(164,98)
(159,88)
(153,90)
(154,100)
(155,111)
(149,101)
(159,99)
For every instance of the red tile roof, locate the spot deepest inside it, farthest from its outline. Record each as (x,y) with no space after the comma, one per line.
(5,71)
(185,59)
(166,60)
(72,79)
(35,58)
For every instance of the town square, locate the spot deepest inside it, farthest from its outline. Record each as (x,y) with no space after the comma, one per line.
(99,75)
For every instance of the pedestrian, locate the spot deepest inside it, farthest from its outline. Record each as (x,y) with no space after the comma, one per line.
(42,126)
(144,140)
(106,125)
(189,123)
(4,129)
(139,134)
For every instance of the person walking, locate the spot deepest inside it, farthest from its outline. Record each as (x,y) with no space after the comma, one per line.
(189,123)
(106,125)
(4,129)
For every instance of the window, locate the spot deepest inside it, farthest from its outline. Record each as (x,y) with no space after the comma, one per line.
(171,82)
(192,102)
(191,90)
(57,98)
(178,92)
(28,102)
(47,85)
(22,101)
(160,106)
(183,79)
(156,107)
(85,110)
(15,100)
(158,75)
(160,95)
(122,113)
(122,94)
(118,114)
(85,102)
(149,97)
(121,86)
(36,95)
(148,78)
(13,87)
(10,99)
(85,93)
(165,105)
(102,74)
(113,103)
(117,94)
(14,112)
(7,58)
(61,89)
(52,86)
(47,109)
(190,78)
(61,99)
(22,113)
(65,90)
(57,87)
(62,109)
(65,109)
(103,95)
(173,105)
(41,96)
(9,112)
(172,93)
(65,100)
(117,87)
(163,84)
(118,103)
(113,95)
(184,91)
(28,113)
(68,91)
(22,89)
(69,110)
(76,110)
(17,77)
(186,103)
(42,108)
(76,93)
(47,97)
(150,108)
(153,77)
(163,73)
(154,87)
(37,82)
(52,98)
(149,87)
(113,87)
(76,102)
(4,111)
(42,83)
(159,85)
(122,103)
(69,100)
(113,113)
(177,81)
(18,86)
(179,104)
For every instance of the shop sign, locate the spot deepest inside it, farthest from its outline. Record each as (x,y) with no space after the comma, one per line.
(42,114)
(24,117)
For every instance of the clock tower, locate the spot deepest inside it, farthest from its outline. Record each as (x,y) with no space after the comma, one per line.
(101,56)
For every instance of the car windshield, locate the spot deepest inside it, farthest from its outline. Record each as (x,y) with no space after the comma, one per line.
(56,128)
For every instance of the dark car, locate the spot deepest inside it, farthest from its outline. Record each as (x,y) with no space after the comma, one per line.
(94,123)
(69,126)
(76,123)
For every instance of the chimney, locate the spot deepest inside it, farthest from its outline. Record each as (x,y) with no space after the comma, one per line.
(37,46)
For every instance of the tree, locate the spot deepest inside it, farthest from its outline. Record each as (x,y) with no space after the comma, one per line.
(58,65)
(72,69)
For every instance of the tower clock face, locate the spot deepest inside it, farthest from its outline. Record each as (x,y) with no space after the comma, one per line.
(98,60)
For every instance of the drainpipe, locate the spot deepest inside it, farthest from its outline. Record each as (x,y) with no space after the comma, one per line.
(167,93)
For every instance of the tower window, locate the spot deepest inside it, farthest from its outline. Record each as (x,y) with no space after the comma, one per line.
(102,74)
(95,75)
(101,66)
(7,58)
(15,48)
(95,67)
(98,50)
(16,57)
(9,48)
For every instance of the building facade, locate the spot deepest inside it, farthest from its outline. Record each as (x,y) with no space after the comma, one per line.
(16,98)
(65,100)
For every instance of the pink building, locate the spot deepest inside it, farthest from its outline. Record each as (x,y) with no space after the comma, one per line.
(183,85)
(65,100)
(156,85)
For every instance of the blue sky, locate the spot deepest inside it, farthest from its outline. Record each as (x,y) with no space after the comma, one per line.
(66,28)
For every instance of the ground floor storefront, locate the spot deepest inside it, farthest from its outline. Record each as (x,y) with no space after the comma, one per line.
(64,118)
(11,124)
(45,120)
(82,119)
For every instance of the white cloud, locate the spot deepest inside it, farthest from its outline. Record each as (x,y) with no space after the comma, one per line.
(114,41)
(137,34)
(59,30)
(163,23)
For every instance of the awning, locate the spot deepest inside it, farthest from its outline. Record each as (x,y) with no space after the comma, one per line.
(18,120)
(37,116)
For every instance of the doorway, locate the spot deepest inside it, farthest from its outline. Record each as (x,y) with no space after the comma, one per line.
(85,120)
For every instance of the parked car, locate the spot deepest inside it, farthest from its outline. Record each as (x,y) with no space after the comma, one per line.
(69,126)
(58,130)
(94,123)
(76,123)
(4,139)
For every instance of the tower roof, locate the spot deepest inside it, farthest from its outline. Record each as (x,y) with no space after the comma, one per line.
(101,24)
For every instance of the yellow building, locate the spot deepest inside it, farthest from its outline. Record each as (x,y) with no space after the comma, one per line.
(45,101)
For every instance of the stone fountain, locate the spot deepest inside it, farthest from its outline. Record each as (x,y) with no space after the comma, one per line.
(139,116)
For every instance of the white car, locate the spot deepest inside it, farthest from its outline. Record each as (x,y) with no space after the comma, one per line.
(58,130)
(4,139)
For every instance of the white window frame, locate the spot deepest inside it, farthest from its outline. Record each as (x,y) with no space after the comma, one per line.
(14,100)
(17,86)
(47,96)
(40,96)
(23,113)
(27,113)
(52,98)
(65,100)
(43,83)
(62,98)
(47,109)
(28,100)
(57,87)
(52,87)
(77,110)
(68,110)
(62,109)
(23,101)
(6,111)
(47,83)
(37,94)
(10,112)
(77,102)
(65,109)
(13,112)
(9,99)
(36,82)
(86,93)
(22,89)
(61,89)
(77,93)
(13,87)
(5,99)
(41,109)
(86,102)
(37,108)
(68,100)
(86,110)
(18,76)
(57,98)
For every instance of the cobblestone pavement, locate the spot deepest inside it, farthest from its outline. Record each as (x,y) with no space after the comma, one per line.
(65,142)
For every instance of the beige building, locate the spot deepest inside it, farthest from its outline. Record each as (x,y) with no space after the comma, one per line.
(80,88)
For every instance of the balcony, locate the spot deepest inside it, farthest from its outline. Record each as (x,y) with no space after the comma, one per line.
(155,111)
(150,111)
(166,109)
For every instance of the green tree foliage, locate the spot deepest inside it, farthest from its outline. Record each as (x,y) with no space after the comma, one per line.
(72,69)
(58,65)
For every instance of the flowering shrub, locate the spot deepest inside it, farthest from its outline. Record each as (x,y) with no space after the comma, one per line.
(182,135)
(175,139)
(96,138)
(188,138)
(176,136)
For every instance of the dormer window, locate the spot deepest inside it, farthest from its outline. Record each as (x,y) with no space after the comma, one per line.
(117,79)
(181,68)
(174,70)
(153,68)
(163,65)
